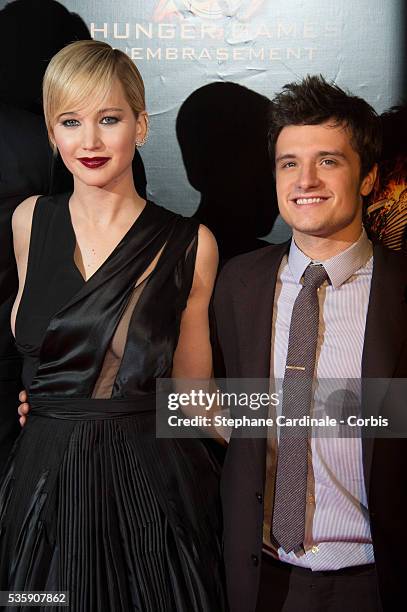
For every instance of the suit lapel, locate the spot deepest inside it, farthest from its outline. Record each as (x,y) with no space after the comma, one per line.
(384,337)
(254,313)
(254,321)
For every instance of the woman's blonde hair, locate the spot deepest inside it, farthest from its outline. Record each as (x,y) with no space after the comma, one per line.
(85,70)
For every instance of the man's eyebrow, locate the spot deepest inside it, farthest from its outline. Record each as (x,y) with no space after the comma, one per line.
(333,153)
(285,156)
(99,112)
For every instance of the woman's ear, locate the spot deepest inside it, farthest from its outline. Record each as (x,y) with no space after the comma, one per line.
(53,144)
(142,129)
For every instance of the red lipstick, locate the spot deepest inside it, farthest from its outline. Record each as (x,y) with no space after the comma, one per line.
(93,162)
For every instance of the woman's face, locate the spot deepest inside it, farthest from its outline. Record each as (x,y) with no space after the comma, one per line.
(97,144)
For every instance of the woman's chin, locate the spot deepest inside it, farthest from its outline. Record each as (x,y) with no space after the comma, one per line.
(94,181)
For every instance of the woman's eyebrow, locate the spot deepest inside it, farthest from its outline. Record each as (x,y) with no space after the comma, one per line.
(99,112)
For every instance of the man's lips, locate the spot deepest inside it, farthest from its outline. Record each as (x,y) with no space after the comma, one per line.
(309,200)
(93,162)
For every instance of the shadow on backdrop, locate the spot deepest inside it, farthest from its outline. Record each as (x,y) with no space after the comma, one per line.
(32,32)
(222,132)
(386,208)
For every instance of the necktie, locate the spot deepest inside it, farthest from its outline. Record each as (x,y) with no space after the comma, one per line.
(288,525)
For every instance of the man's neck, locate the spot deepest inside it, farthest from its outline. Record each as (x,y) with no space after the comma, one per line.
(320,248)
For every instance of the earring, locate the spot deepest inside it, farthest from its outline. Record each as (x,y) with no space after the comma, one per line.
(142,141)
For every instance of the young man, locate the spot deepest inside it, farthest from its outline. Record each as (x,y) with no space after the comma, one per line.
(317,524)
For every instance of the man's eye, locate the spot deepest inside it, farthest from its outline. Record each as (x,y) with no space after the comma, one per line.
(109,120)
(328,162)
(70,122)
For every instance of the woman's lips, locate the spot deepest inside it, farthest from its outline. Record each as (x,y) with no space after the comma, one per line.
(93,162)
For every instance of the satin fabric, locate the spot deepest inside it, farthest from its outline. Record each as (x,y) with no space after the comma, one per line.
(91,502)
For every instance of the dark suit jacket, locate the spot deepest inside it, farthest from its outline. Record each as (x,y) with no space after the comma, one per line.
(25,167)
(243,305)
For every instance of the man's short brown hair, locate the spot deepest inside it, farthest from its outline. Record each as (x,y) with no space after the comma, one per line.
(314,101)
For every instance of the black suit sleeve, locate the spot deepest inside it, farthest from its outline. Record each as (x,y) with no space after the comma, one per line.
(219,369)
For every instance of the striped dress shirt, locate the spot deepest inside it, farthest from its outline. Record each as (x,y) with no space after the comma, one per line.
(337,531)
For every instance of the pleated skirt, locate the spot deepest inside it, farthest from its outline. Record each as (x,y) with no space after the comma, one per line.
(118,520)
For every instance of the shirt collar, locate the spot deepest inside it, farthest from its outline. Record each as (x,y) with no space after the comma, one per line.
(340,267)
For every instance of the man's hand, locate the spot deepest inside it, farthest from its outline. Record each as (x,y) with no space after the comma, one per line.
(23,408)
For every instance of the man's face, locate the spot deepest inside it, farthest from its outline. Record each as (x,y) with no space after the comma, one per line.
(318,180)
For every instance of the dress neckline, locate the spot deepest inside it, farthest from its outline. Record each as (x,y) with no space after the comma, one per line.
(121,242)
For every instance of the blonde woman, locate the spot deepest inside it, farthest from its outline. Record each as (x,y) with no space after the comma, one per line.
(113,293)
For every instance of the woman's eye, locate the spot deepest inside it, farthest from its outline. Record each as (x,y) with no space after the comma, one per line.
(290,164)
(70,122)
(109,120)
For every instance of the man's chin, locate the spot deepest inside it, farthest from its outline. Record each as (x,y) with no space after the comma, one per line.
(317,231)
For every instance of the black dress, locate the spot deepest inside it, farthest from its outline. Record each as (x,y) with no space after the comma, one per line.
(91,502)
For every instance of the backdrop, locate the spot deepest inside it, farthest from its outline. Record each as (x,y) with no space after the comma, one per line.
(181,45)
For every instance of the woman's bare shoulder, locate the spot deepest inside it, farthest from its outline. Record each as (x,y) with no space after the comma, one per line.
(24,212)
(22,221)
(207,246)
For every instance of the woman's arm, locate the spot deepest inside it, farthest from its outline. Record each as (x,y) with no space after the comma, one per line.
(193,356)
(21,225)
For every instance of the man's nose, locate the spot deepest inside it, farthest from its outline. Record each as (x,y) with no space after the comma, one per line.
(308,176)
